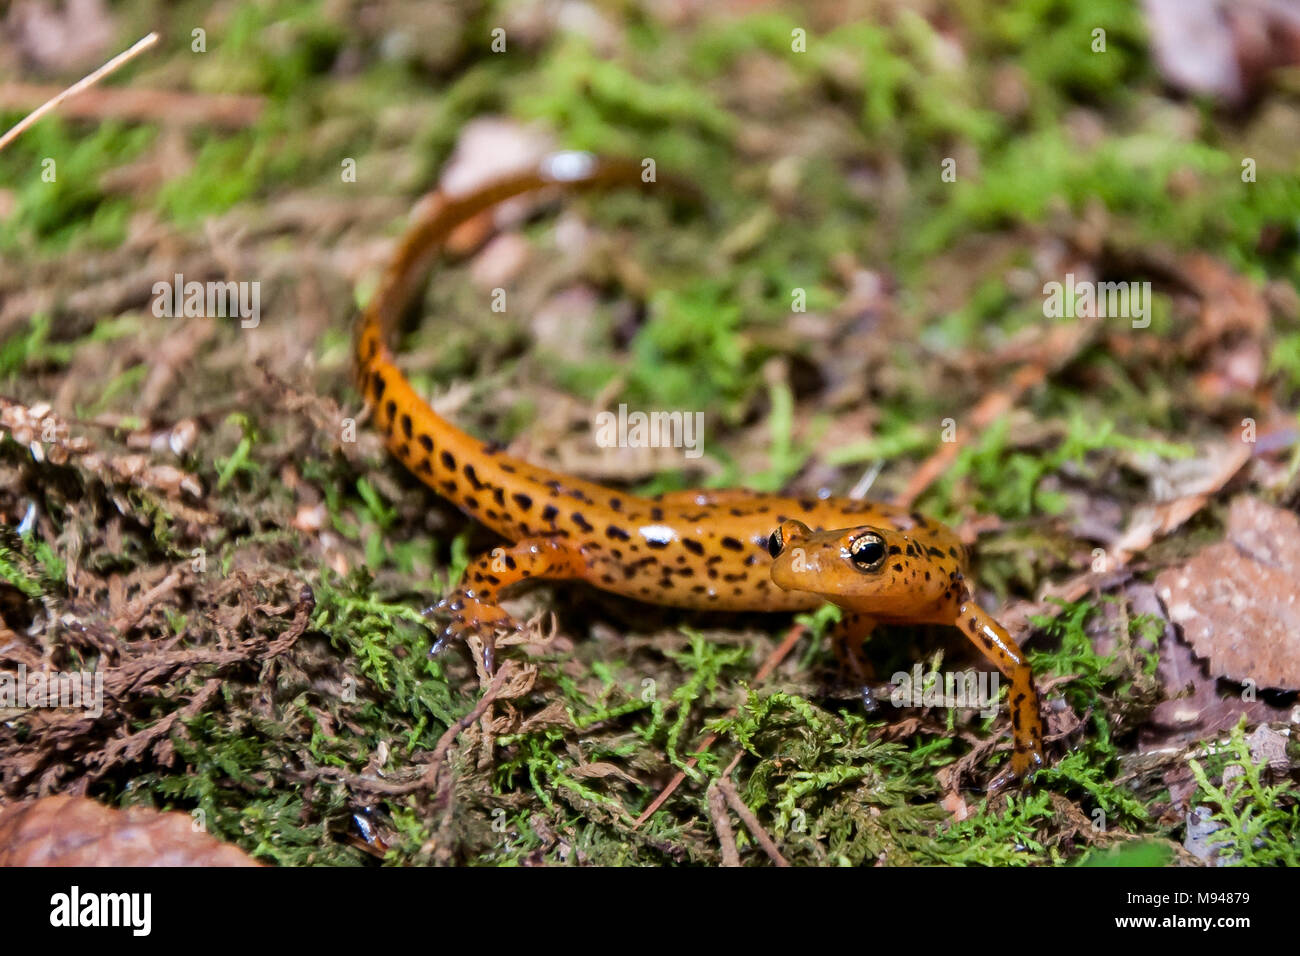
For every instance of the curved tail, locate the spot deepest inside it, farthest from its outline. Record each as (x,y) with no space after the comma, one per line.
(475,476)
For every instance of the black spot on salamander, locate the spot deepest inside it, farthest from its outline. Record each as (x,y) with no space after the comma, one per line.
(713,559)
(508,468)
(927,575)
(450,487)
(406,425)
(895,549)
(617,533)
(549,513)
(617,553)
(734,577)
(934,552)
(424,468)
(471,502)
(426,442)
(378,384)
(693,546)
(448,460)
(616,504)
(522,500)
(752,560)
(656,514)
(391,409)
(607,578)
(732,544)
(736,512)
(898,567)
(655,545)
(919,519)
(499,496)
(472,475)
(807,505)
(493,578)
(713,574)
(510,562)
(581,522)
(952,553)
(404,450)
(699,589)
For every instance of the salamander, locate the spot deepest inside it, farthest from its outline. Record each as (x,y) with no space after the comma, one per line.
(717,550)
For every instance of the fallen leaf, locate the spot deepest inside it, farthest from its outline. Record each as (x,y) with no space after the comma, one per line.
(76,831)
(1194,707)
(1236,601)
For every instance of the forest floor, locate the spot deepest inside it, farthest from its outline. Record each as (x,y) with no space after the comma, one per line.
(890,188)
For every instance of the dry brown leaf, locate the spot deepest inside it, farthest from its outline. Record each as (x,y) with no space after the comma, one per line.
(1231,304)
(75,831)
(1237,601)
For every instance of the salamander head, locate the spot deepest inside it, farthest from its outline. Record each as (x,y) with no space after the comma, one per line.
(873,570)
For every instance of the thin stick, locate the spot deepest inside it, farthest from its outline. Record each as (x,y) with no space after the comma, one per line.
(138,105)
(728,790)
(726,836)
(769,665)
(84,83)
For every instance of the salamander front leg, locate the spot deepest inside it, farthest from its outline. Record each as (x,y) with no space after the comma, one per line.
(1026,720)
(473,607)
(848,635)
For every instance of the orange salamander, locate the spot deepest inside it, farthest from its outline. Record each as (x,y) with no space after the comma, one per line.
(718,550)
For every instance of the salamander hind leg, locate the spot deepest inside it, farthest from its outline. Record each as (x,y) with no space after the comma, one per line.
(1026,719)
(473,609)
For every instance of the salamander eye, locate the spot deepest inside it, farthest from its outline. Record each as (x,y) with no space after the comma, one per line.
(775,543)
(868,552)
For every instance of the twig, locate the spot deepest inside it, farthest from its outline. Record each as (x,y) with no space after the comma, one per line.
(84,83)
(773,660)
(722,824)
(172,107)
(433,768)
(747,817)
(990,407)
(1057,349)
(430,776)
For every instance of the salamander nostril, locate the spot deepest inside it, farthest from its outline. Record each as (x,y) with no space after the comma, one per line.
(775,543)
